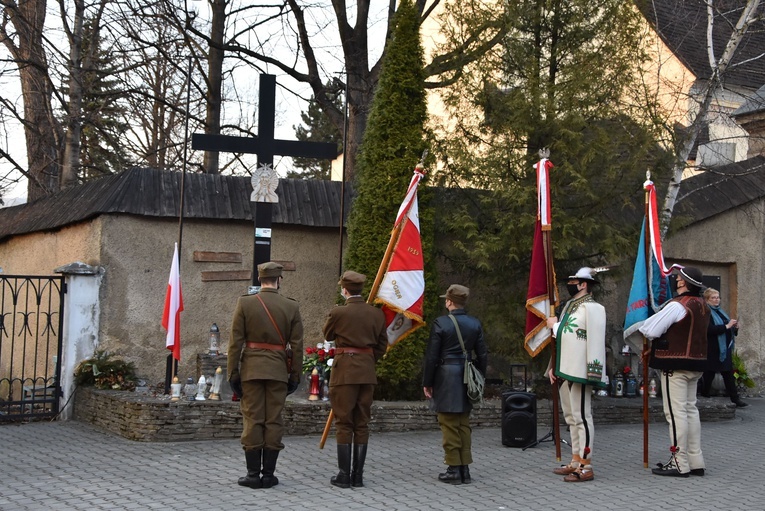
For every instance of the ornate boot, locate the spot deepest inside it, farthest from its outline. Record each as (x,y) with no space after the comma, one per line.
(565,470)
(343,477)
(252,479)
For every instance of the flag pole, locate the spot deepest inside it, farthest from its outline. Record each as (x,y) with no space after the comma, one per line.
(551,293)
(553,349)
(394,237)
(644,355)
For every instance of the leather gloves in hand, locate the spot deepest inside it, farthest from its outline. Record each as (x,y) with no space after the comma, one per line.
(235,382)
(292,385)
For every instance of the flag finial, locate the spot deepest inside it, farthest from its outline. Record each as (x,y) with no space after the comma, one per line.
(544,153)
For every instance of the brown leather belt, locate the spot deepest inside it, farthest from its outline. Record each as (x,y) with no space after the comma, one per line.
(264,346)
(340,351)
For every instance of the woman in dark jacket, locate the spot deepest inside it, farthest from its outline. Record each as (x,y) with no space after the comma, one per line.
(721,339)
(443,380)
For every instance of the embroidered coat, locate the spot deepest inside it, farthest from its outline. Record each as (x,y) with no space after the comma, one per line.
(581,342)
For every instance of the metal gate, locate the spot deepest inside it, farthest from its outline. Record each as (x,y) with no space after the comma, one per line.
(31,325)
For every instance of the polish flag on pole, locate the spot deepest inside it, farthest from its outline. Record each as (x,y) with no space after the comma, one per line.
(402,289)
(171,317)
(542,293)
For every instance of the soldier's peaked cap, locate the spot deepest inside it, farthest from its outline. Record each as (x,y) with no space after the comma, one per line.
(270,269)
(352,280)
(457,294)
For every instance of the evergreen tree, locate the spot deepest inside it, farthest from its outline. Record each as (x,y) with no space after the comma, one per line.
(567,71)
(103,117)
(318,127)
(392,146)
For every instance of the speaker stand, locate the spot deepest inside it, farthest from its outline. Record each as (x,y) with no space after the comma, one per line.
(549,437)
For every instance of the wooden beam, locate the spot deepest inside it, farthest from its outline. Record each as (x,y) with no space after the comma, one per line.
(288,265)
(217,257)
(216,276)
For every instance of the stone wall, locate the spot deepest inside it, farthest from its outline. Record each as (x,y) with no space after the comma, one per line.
(152,419)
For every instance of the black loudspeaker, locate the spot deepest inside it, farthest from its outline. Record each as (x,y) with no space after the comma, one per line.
(519,419)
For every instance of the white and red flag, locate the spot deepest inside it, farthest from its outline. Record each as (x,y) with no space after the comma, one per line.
(539,298)
(171,317)
(402,289)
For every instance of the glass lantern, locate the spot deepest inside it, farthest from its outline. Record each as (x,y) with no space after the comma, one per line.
(190,389)
(175,389)
(214,339)
(217,382)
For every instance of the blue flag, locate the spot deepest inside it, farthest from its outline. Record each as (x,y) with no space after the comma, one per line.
(644,300)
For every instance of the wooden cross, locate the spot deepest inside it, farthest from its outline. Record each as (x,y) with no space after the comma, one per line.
(265,146)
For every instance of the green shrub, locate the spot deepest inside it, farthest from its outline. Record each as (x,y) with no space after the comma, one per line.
(105,372)
(740,374)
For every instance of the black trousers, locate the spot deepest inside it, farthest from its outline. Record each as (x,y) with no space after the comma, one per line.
(728,379)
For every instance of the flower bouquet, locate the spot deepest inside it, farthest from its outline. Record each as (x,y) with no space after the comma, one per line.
(319,357)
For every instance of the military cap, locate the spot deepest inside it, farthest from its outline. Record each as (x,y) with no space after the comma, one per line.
(352,281)
(270,269)
(457,294)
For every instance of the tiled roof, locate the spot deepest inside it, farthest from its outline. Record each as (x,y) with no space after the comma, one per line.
(754,104)
(713,192)
(682,25)
(154,193)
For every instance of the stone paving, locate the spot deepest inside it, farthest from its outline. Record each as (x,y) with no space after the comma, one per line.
(73,466)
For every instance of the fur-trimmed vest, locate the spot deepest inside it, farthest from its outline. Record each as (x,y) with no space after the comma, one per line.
(684,345)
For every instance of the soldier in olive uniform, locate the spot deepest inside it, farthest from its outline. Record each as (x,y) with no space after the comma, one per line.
(358,330)
(263,325)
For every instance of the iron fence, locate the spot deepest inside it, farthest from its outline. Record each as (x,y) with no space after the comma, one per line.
(31,325)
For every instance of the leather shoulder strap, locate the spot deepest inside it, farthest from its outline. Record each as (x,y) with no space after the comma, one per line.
(459,334)
(281,337)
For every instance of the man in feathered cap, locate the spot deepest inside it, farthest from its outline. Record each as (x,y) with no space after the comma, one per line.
(579,359)
(679,349)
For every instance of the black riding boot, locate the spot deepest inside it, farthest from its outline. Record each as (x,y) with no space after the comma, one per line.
(269,465)
(452,475)
(730,386)
(252,479)
(465,472)
(359,455)
(343,477)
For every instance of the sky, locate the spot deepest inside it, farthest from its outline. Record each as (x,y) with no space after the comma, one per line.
(291,96)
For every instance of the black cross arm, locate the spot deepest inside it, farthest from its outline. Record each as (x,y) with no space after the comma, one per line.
(254,145)
(226,143)
(298,149)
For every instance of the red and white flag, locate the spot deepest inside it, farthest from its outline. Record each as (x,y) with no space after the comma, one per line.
(171,317)
(538,299)
(655,231)
(543,193)
(402,289)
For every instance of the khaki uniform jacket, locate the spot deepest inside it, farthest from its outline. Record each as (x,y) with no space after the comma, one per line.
(252,324)
(356,325)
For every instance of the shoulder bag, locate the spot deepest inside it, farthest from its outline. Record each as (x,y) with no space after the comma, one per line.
(473,378)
